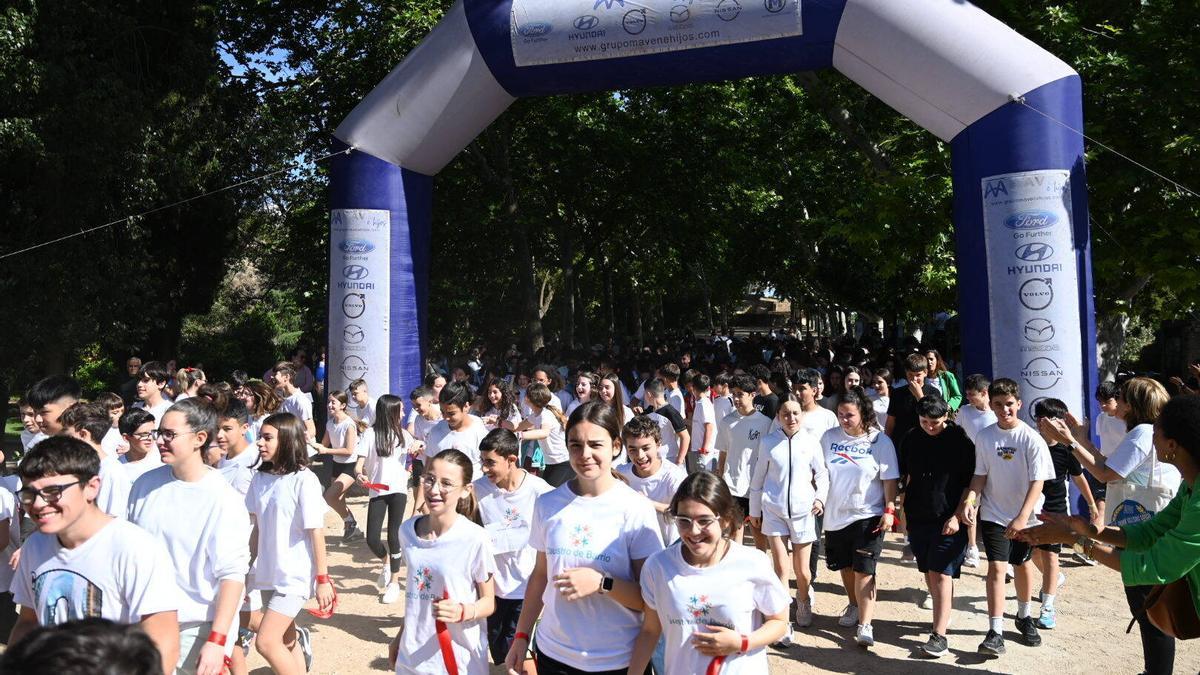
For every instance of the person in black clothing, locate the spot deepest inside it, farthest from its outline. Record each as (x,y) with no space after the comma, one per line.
(766,401)
(1066,466)
(902,405)
(937,462)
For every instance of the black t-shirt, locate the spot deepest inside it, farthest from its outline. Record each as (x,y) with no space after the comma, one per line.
(903,406)
(668,411)
(767,404)
(1065,466)
(937,470)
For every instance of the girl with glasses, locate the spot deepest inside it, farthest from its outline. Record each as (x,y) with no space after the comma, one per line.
(718,601)
(450,590)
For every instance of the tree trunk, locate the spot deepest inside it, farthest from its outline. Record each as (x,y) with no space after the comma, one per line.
(1110,340)
(568,263)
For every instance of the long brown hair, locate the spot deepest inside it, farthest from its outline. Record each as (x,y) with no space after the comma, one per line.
(539,395)
(466,507)
(291,454)
(266,401)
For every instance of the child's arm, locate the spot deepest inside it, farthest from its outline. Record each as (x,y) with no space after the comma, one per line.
(325,594)
(1022,520)
(970,506)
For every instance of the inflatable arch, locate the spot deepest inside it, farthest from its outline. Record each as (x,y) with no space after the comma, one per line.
(1008,108)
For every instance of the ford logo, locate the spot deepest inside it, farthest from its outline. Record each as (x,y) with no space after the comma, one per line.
(1030,220)
(356,246)
(535,29)
(586,22)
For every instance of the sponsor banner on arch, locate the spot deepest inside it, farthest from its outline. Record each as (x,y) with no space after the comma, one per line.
(563,31)
(359,307)
(1034,280)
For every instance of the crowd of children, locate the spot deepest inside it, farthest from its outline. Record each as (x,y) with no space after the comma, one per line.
(538,517)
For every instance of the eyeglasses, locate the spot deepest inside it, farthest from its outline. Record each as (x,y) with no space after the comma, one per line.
(143,436)
(168,435)
(685,524)
(50,494)
(429,482)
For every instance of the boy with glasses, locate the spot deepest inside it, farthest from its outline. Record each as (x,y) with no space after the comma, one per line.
(137,428)
(84,563)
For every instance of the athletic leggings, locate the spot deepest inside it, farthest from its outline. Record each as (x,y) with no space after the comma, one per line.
(393,507)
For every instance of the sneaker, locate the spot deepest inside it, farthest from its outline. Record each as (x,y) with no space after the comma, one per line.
(936,646)
(1029,632)
(927,601)
(849,616)
(305,642)
(1062,581)
(348,526)
(385,577)
(1009,576)
(351,533)
(1083,559)
(972,559)
(785,641)
(804,614)
(1047,618)
(392,594)
(907,555)
(993,644)
(245,638)
(864,635)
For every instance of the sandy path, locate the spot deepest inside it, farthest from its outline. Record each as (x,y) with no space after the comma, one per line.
(1090,638)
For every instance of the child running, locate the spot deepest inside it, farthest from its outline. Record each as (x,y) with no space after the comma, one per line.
(738,438)
(341,444)
(288,514)
(719,602)
(383,470)
(648,474)
(450,587)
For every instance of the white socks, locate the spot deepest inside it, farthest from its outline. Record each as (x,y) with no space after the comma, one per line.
(1023,609)
(1048,600)
(996,623)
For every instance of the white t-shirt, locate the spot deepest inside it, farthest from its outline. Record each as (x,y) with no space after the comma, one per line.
(736,593)
(1111,431)
(817,421)
(703,414)
(422,427)
(554,446)
(209,546)
(237,475)
(158,411)
(337,439)
(448,566)
(973,420)
(506,517)
(122,573)
(285,507)
(134,469)
(29,438)
(466,440)
(113,497)
(514,417)
(675,398)
(8,510)
(1132,460)
(880,404)
(738,437)
(857,468)
(113,442)
(298,404)
(392,470)
(1011,460)
(660,488)
(606,533)
(722,406)
(365,413)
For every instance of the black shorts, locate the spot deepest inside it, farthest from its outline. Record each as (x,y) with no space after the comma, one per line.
(744,505)
(937,552)
(1053,508)
(1099,488)
(1000,548)
(857,545)
(418,470)
(339,469)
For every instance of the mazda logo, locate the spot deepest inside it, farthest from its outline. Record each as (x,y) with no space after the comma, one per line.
(353,334)
(1036,252)
(586,22)
(355,272)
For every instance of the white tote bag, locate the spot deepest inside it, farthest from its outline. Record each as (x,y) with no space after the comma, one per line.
(1129,503)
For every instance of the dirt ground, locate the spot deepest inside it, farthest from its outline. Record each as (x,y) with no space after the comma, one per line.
(1090,638)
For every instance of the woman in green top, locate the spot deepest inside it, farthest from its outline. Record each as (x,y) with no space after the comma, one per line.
(1161,550)
(940,377)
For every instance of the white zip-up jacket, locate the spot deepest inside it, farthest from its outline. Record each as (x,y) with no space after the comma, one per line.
(789,474)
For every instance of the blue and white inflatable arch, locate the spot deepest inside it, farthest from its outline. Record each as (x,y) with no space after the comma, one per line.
(1008,108)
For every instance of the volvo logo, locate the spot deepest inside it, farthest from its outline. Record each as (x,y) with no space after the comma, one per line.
(586,22)
(1036,294)
(634,21)
(1036,252)
(354,304)
(355,272)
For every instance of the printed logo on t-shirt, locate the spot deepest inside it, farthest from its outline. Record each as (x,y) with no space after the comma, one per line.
(698,612)
(1006,453)
(511,515)
(579,540)
(699,606)
(581,535)
(844,453)
(753,435)
(66,595)
(422,581)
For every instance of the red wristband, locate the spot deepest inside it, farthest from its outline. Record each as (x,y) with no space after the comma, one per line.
(521,636)
(324,579)
(889,509)
(745,644)
(217,638)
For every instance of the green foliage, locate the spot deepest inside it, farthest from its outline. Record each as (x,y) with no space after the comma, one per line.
(95,371)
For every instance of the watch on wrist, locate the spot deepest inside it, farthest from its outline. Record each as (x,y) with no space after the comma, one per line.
(606,585)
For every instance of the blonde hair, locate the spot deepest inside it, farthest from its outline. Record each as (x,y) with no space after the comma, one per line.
(1145,398)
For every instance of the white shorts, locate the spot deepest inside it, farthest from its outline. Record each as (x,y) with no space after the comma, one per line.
(192,636)
(287,605)
(800,529)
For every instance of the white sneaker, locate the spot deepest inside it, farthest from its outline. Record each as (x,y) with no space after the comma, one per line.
(1062,581)
(385,577)
(804,614)
(865,635)
(392,594)
(972,559)
(849,616)
(927,601)
(785,641)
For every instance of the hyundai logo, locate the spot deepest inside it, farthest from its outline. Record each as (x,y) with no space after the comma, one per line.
(355,272)
(1031,220)
(535,29)
(586,22)
(1035,252)
(356,246)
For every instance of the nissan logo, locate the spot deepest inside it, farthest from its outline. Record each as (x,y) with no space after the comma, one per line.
(1035,252)
(355,272)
